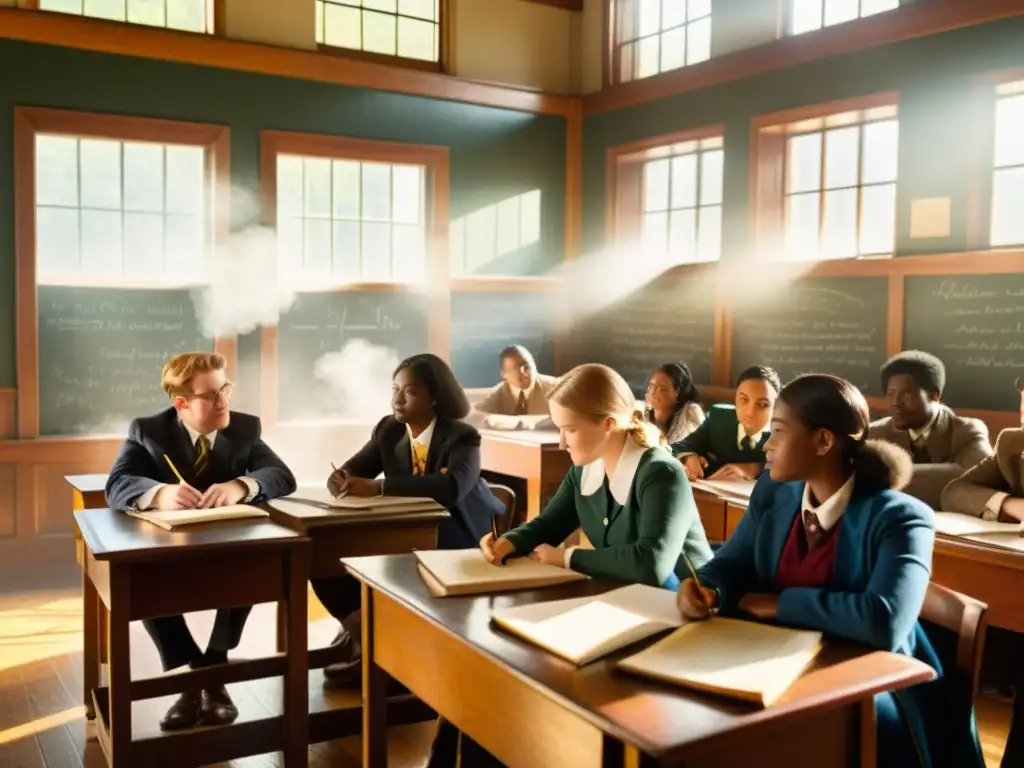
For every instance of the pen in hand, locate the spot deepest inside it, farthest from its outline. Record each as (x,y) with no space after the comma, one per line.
(696,580)
(342,493)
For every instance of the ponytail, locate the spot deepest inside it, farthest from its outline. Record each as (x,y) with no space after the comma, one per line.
(881,464)
(643,432)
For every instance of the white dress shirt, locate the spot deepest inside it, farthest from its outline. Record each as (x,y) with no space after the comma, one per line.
(830,511)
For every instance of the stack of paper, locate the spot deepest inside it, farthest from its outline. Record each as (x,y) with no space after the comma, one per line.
(583,629)
(450,572)
(739,659)
(730,490)
(172,519)
(323,498)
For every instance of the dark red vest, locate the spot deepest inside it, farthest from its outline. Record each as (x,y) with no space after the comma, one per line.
(800,568)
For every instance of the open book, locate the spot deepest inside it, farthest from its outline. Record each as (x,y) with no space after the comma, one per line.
(956,524)
(449,572)
(582,629)
(173,519)
(733,490)
(739,659)
(324,499)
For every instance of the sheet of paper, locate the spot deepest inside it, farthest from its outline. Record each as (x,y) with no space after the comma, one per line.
(1004,540)
(178,517)
(465,567)
(956,524)
(734,489)
(320,495)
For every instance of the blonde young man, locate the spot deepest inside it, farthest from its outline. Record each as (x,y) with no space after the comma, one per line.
(222,461)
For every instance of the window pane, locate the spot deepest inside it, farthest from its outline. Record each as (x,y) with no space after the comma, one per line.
(144,177)
(878,219)
(656,179)
(711,177)
(148,12)
(105,9)
(316,173)
(673,13)
(627,18)
(183,244)
(1007,204)
(316,244)
(684,181)
(57,241)
(376,192)
(289,245)
(655,235)
(682,238)
(379,33)
(869,7)
(626,62)
(388,6)
(409,255)
(803,154)
(709,233)
(56,170)
(101,242)
(1010,131)
(346,189)
(806,16)
(143,245)
(839,232)
(673,49)
(65,6)
(376,251)
(802,222)
(347,260)
(100,163)
(698,41)
(838,11)
(649,17)
(343,26)
(880,153)
(423,9)
(841,157)
(185,179)
(318,33)
(187,15)
(648,59)
(416,39)
(698,8)
(289,186)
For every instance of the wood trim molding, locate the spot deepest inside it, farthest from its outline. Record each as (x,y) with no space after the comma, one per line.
(907,22)
(8,416)
(565,5)
(211,51)
(28,121)
(573,182)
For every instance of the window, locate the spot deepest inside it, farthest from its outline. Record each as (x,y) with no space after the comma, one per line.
(826,185)
(655,36)
(1008,174)
(407,29)
(108,210)
(184,15)
(809,15)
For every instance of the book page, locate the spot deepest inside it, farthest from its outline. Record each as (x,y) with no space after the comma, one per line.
(462,568)
(323,497)
(744,659)
(169,519)
(735,489)
(957,524)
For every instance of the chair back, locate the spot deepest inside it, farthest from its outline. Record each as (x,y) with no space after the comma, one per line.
(967,619)
(506,496)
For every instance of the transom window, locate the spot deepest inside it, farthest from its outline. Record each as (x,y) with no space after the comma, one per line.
(110,210)
(406,28)
(682,202)
(184,15)
(342,221)
(809,15)
(1008,173)
(655,36)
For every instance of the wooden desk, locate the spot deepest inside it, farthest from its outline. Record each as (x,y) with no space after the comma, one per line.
(87,492)
(534,455)
(134,570)
(531,709)
(712,511)
(991,574)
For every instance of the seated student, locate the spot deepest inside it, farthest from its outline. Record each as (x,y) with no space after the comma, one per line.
(425,450)
(673,402)
(729,445)
(941,443)
(829,543)
(523,391)
(222,461)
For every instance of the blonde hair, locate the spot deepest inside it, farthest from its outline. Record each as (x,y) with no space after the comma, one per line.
(176,377)
(598,392)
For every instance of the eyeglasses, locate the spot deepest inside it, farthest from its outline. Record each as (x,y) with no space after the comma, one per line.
(212,397)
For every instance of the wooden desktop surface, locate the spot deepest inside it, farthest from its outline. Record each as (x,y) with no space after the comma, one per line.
(499,689)
(534,455)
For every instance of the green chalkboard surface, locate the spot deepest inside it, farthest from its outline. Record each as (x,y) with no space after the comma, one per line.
(337,351)
(814,325)
(975,324)
(484,323)
(101,351)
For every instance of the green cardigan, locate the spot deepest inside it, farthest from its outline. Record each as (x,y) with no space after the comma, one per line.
(639,541)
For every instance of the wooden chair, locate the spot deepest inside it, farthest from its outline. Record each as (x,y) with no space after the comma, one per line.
(506,496)
(966,618)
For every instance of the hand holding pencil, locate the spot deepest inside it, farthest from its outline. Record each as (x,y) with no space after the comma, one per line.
(180,496)
(694,600)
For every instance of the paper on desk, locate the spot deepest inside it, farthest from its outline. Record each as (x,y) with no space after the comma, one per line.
(322,497)
(466,572)
(957,524)
(501,421)
(731,489)
(177,518)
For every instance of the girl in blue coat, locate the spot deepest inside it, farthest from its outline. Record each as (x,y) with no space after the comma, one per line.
(829,543)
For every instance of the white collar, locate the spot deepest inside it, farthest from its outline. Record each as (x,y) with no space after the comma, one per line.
(831,509)
(424,436)
(528,391)
(193,436)
(922,434)
(620,482)
(741,435)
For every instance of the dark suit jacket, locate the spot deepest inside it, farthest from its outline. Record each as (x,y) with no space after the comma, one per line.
(717,440)
(237,451)
(452,477)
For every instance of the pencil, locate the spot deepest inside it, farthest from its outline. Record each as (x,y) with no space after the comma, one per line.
(174,469)
(696,578)
(341,494)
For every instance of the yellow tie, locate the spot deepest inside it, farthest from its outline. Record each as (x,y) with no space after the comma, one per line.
(419,458)
(202,456)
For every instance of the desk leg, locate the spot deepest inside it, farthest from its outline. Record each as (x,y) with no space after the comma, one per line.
(296,676)
(281,627)
(91,641)
(104,631)
(375,698)
(868,737)
(120,669)
(619,755)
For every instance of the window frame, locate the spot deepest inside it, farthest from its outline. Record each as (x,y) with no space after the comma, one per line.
(786,16)
(768,208)
(437,184)
(30,121)
(611,61)
(443,48)
(219,20)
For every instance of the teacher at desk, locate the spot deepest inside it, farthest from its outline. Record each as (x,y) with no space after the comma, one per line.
(630,497)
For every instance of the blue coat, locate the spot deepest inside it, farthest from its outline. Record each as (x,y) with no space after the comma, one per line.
(882,567)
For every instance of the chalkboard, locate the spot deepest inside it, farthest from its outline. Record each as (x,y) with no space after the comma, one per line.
(337,351)
(975,325)
(484,323)
(101,351)
(670,319)
(814,325)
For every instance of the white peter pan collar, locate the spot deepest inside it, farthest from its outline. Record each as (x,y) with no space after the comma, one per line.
(622,480)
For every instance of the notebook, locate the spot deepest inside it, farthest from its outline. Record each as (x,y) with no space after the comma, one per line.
(739,659)
(171,520)
(449,572)
(956,524)
(583,629)
(525,421)
(739,490)
(323,498)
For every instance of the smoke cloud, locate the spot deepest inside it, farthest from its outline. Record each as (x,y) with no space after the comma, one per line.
(359,379)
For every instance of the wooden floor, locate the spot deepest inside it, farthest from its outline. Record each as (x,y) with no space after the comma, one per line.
(42,721)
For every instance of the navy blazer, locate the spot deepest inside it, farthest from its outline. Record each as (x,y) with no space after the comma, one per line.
(880,577)
(452,476)
(237,451)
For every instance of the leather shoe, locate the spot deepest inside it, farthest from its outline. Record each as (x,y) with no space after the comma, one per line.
(346,672)
(217,708)
(184,713)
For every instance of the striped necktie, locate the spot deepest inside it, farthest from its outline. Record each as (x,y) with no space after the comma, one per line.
(202,462)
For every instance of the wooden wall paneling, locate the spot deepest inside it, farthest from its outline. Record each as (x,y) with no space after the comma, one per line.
(8,413)
(27,350)
(8,499)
